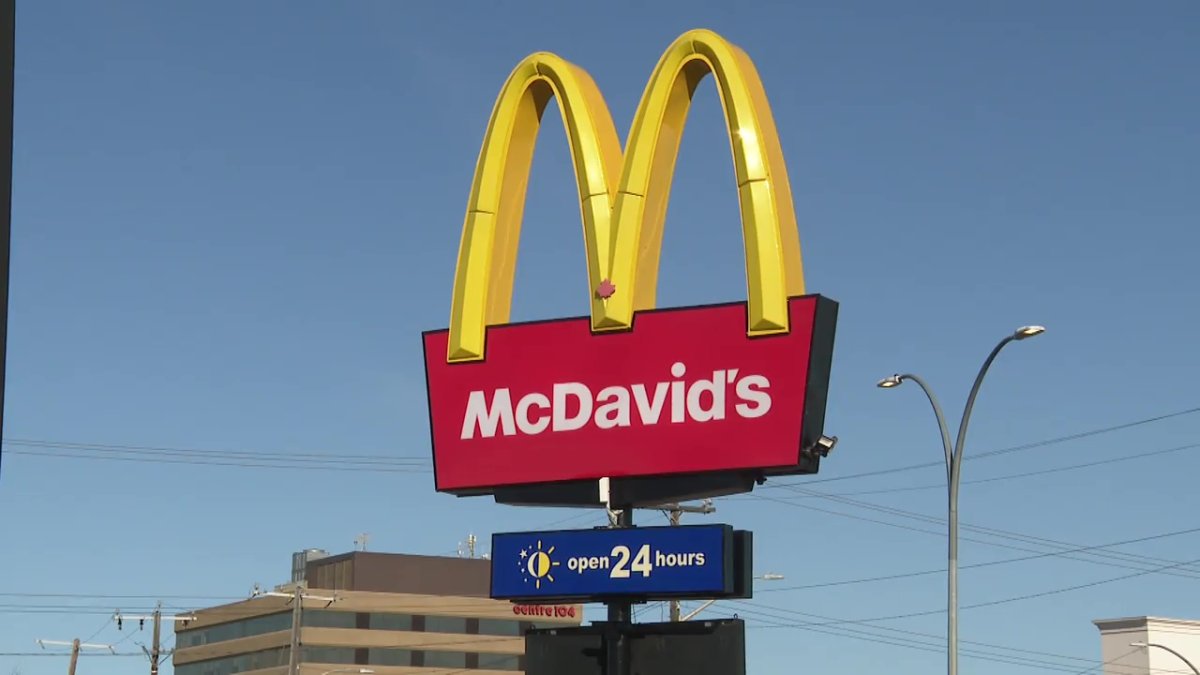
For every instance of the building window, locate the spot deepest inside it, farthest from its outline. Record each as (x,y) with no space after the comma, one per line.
(317,654)
(445,624)
(500,627)
(233,630)
(389,657)
(380,621)
(326,619)
(445,660)
(267,658)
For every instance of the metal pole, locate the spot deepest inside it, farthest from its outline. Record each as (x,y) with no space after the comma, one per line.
(952,527)
(620,614)
(955,479)
(7,51)
(954,455)
(1166,648)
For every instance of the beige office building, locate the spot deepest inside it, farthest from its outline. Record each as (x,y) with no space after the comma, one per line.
(387,613)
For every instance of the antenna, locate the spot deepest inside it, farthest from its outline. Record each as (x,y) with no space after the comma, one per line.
(361,540)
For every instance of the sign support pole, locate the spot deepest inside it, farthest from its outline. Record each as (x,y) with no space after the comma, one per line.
(620,615)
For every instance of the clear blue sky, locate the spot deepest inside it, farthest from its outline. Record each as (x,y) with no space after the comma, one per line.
(232,220)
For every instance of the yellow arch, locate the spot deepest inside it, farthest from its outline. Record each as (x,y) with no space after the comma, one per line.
(772,243)
(487,254)
(623,220)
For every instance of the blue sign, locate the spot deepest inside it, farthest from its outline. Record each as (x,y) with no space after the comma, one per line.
(687,561)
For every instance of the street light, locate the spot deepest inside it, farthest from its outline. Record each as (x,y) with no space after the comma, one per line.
(361,671)
(1164,647)
(708,603)
(953,474)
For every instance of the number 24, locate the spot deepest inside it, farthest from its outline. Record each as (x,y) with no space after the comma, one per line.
(641,561)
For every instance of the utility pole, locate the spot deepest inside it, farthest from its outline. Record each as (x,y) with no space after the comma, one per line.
(297,618)
(75,646)
(297,598)
(155,652)
(674,514)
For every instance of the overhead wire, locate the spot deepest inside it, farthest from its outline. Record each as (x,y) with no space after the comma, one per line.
(417,464)
(939,638)
(941,534)
(901,631)
(993,603)
(219,462)
(1023,474)
(1107,558)
(1001,451)
(82,655)
(766,620)
(933,643)
(990,563)
(316,456)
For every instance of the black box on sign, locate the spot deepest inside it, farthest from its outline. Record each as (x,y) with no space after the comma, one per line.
(682,648)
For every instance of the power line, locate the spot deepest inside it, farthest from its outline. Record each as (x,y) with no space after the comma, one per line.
(901,631)
(215,462)
(409,463)
(232,458)
(936,644)
(23,653)
(319,456)
(991,563)
(985,542)
(992,532)
(875,638)
(988,645)
(1001,451)
(1024,474)
(1001,601)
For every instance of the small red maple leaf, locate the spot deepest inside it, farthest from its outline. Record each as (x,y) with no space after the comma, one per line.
(605,290)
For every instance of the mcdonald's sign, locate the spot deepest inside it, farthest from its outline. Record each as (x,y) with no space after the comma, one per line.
(631,391)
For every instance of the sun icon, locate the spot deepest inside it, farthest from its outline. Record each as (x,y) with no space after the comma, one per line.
(538,564)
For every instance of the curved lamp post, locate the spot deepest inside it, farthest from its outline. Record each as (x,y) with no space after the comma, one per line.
(1166,648)
(953,459)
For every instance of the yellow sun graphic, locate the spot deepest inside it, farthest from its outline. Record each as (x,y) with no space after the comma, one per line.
(541,565)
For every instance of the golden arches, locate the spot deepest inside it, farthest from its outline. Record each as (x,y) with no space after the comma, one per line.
(623,219)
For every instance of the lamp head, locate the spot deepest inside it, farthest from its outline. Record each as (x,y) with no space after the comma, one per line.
(1138,644)
(889,382)
(1028,332)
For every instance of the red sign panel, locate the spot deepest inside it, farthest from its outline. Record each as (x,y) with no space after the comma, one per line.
(686,391)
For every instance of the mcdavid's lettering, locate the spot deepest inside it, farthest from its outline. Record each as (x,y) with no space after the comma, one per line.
(573,405)
(685,392)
